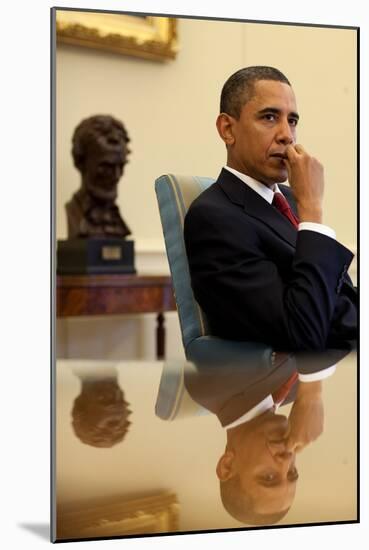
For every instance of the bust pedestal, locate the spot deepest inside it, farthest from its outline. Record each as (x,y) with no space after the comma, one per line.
(95,256)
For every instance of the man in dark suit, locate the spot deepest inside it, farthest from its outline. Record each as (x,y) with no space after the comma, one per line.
(260,274)
(257,471)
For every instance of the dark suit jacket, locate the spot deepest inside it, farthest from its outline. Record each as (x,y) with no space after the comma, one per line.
(229,392)
(257,278)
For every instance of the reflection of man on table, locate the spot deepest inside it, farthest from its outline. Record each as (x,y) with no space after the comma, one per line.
(263,266)
(257,470)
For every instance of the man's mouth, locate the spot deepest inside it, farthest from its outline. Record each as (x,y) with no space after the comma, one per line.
(279,156)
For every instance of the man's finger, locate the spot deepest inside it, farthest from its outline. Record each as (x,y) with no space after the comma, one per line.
(293,446)
(289,169)
(299,148)
(291,153)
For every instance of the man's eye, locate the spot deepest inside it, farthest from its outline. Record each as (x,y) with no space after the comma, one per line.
(269,477)
(293,121)
(269,116)
(293,474)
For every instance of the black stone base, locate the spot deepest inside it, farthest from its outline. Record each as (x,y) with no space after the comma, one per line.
(95,256)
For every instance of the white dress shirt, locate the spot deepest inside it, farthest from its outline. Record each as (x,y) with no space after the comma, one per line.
(260,408)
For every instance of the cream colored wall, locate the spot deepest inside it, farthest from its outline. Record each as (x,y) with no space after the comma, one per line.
(170,109)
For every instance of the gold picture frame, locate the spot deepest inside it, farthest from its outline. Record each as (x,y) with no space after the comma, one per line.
(117,516)
(152,38)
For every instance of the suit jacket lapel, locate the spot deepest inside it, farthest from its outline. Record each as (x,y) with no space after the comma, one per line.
(249,396)
(257,207)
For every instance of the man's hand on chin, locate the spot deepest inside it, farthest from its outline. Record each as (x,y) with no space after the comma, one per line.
(306,178)
(306,418)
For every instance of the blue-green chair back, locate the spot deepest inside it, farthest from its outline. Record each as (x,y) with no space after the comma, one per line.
(175,194)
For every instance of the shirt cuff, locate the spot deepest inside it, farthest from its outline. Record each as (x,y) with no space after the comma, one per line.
(319,228)
(320,375)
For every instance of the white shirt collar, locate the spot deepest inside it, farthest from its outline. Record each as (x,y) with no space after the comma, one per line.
(266,192)
(259,409)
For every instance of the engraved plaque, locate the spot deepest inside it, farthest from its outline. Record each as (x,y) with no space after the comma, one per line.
(111,253)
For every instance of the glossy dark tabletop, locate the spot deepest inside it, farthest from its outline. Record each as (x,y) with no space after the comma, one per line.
(131,459)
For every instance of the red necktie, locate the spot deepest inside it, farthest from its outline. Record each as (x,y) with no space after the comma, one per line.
(282,205)
(281,393)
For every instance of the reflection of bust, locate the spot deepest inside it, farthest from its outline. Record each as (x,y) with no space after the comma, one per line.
(100,150)
(100,412)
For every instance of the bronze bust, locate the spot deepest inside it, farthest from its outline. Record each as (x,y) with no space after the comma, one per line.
(100,150)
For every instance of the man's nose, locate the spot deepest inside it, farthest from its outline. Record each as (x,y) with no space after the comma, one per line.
(279,451)
(285,133)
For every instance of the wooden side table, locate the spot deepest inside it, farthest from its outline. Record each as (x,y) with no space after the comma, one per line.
(79,295)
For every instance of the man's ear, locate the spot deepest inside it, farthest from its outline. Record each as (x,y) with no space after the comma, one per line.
(225,468)
(225,128)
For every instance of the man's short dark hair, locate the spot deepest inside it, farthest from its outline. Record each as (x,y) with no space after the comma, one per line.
(239,87)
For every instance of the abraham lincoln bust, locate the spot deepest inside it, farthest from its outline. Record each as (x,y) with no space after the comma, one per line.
(100,150)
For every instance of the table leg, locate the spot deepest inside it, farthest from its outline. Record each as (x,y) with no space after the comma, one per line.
(160,336)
